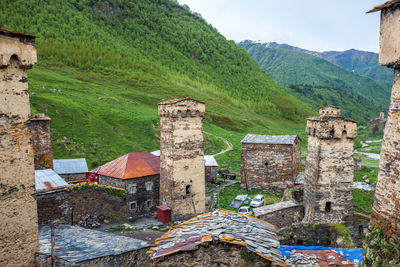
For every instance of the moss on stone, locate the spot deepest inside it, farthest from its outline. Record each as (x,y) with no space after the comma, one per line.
(118,192)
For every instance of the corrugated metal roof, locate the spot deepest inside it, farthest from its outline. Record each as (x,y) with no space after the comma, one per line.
(131,165)
(385,5)
(270,139)
(48,180)
(209,161)
(70,166)
(176,100)
(156,153)
(16,33)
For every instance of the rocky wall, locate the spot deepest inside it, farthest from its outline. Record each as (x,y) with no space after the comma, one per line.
(41,142)
(53,206)
(281,214)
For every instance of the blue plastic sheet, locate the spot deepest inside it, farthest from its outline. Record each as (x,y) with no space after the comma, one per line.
(351,254)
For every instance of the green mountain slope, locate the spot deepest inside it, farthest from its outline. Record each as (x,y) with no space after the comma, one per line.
(293,68)
(104,65)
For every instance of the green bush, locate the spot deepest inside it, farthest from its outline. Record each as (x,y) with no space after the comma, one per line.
(118,192)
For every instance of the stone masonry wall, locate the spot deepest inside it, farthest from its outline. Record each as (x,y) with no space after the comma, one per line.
(386,208)
(217,254)
(141,196)
(73,177)
(53,206)
(41,142)
(182,177)
(328,187)
(18,214)
(281,214)
(268,167)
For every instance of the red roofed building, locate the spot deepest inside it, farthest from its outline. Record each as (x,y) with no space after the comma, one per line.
(139,174)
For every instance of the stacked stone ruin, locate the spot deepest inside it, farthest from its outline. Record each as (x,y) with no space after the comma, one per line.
(41,142)
(328,186)
(18,216)
(182,177)
(386,208)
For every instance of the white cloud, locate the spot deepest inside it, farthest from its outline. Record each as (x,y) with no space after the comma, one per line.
(312,24)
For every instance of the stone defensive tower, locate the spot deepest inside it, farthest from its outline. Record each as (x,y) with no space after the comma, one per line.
(182,177)
(18,214)
(386,208)
(41,142)
(328,187)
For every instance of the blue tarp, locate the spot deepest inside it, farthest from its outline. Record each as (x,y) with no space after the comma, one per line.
(351,254)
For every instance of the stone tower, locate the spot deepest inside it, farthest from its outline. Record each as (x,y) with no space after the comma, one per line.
(328,187)
(41,142)
(386,208)
(18,214)
(182,177)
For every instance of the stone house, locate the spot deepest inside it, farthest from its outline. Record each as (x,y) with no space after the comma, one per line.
(270,162)
(72,170)
(328,186)
(210,168)
(139,174)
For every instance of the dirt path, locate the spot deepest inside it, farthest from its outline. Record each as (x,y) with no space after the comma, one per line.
(228,144)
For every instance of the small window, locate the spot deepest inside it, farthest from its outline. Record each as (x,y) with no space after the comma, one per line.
(149,203)
(188,189)
(149,186)
(132,188)
(132,205)
(266,164)
(328,206)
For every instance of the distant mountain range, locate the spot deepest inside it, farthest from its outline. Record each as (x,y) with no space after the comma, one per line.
(317,81)
(361,62)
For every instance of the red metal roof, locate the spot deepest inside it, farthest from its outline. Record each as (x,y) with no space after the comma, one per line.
(131,165)
(385,5)
(163,207)
(176,100)
(328,258)
(16,33)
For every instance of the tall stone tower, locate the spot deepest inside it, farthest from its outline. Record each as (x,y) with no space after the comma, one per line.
(386,208)
(41,142)
(182,177)
(18,214)
(328,187)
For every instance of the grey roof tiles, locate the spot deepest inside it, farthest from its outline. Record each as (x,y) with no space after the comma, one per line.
(270,139)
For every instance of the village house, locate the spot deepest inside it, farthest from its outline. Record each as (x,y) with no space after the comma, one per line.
(71,170)
(270,162)
(328,186)
(139,174)
(210,168)
(51,196)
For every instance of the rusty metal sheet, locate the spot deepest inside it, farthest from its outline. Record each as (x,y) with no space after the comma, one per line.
(131,165)
(48,180)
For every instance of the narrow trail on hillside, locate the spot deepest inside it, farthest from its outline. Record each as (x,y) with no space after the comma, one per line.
(228,144)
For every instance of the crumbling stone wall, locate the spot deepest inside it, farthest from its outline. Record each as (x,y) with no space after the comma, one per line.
(141,196)
(53,206)
(210,173)
(270,167)
(328,186)
(41,142)
(182,178)
(216,254)
(18,214)
(281,214)
(74,177)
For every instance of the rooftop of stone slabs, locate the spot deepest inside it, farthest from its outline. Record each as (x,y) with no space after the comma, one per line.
(224,226)
(385,5)
(269,139)
(76,244)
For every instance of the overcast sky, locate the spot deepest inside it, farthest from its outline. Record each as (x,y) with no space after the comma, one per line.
(320,25)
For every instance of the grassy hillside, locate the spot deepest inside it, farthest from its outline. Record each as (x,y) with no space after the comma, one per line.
(292,68)
(104,66)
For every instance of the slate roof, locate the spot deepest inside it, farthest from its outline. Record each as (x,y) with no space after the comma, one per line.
(385,5)
(224,226)
(209,161)
(131,165)
(48,180)
(70,166)
(156,153)
(274,207)
(76,244)
(15,33)
(176,100)
(270,139)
